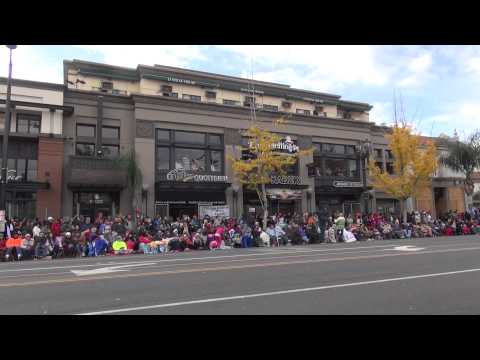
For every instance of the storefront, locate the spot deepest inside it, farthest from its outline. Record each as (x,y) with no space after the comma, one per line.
(284,196)
(179,199)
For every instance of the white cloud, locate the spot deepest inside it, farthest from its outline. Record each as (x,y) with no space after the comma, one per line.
(315,67)
(381,113)
(419,69)
(29,65)
(465,119)
(133,55)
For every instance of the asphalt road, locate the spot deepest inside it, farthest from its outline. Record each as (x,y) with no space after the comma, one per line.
(420,276)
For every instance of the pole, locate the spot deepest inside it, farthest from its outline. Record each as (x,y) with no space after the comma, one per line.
(6,133)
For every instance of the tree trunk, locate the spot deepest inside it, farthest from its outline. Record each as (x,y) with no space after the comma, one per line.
(265,206)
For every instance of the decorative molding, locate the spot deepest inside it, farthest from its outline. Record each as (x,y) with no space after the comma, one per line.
(145,129)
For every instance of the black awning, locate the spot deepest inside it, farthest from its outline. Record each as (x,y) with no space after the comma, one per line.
(93,187)
(27,186)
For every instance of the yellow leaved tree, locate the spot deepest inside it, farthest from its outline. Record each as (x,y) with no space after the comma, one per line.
(415,161)
(263,160)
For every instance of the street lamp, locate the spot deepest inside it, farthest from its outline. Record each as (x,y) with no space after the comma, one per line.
(364,149)
(6,132)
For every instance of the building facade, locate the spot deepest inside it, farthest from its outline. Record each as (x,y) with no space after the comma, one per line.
(35,150)
(184,125)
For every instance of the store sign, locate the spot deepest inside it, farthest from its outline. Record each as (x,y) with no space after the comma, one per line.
(284,194)
(183,176)
(347,184)
(181,81)
(286,180)
(214,211)
(286,145)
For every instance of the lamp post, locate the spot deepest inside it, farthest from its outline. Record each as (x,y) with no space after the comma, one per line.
(364,149)
(235,190)
(6,133)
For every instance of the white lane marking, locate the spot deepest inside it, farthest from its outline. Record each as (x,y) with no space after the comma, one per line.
(195,258)
(108,269)
(407,248)
(273,293)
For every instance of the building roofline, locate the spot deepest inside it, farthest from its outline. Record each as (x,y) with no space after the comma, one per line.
(217,80)
(33,84)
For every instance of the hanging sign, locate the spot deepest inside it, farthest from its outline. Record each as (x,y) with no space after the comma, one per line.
(286,180)
(284,194)
(183,176)
(214,211)
(347,184)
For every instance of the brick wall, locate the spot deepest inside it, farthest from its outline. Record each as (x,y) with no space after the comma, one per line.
(50,165)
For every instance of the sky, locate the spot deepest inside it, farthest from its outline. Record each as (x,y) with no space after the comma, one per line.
(438,86)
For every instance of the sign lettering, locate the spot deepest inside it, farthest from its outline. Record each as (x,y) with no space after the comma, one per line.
(286,180)
(347,184)
(182,175)
(181,81)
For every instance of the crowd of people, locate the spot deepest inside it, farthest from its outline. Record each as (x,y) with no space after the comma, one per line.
(103,236)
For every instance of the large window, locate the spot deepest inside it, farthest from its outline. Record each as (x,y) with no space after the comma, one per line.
(190,151)
(191,97)
(189,137)
(110,132)
(85,149)
(28,123)
(335,167)
(190,159)
(110,151)
(22,169)
(2,121)
(163,158)
(85,130)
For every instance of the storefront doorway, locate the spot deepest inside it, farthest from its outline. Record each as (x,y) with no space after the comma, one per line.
(92,203)
(181,210)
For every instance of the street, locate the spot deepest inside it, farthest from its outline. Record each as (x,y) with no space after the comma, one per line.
(418,276)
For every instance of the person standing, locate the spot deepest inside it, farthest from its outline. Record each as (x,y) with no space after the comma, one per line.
(340,226)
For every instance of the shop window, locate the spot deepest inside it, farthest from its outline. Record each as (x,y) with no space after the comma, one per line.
(111,151)
(352,168)
(163,135)
(85,130)
(303,112)
(270,107)
(110,132)
(340,167)
(333,148)
(215,140)
(85,149)
(378,153)
(216,161)
(190,159)
(189,137)
(389,154)
(28,123)
(350,149)
(32,170)
(21,168)
(231,102)
(163,158)
(390,168)
(2,121)
(191,97)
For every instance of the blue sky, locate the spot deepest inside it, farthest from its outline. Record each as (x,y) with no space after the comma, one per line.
(439,86)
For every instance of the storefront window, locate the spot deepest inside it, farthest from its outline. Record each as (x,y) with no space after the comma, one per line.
(190,159)
(216,161)
(163,135)
(163,158)
(31,170)
(189,137)
(333,148)
(110,151)
(2,121)
(85,130)
(110,132)
(28,123)
(352,168)
(85,149)
(334,167)
(215,140)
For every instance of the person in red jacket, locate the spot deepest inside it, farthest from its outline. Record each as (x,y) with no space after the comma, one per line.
(55,228)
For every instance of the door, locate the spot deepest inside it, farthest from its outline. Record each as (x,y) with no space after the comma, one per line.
(351,208)
(181,210)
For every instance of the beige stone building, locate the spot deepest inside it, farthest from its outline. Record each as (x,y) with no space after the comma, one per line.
(183,124)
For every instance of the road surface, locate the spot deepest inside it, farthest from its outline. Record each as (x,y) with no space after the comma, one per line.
(419,276)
